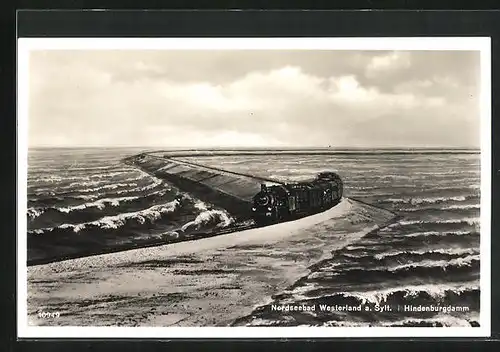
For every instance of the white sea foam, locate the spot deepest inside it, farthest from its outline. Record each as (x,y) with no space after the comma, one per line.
(78,185)
(156,182)
(470,221)
(110,186)
(113,222)
(354,248)
(56,178)
(59,192)
(95,168)
(33,213)
(461,206)
(100,188)
(99,204)
(450,251)
(436,291)
(428,200)
(86,197)
(457,262)
(345,323)
(153,213)
(437,233)
(85,181)
(201,205)
(447,207)
(197,203)
(442,320)
(219,217)
(433,173)
(113,174)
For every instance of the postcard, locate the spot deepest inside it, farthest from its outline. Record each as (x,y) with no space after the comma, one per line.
(254,187)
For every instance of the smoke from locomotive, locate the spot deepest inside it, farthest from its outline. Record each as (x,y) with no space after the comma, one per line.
(293,200)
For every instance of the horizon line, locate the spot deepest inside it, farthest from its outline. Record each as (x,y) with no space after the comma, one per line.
(256,147)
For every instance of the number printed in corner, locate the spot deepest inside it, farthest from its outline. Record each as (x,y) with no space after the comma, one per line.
(48,315)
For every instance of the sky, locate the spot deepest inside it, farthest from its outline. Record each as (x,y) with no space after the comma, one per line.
(254,98)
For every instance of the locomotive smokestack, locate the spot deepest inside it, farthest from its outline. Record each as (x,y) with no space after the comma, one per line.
(263,187)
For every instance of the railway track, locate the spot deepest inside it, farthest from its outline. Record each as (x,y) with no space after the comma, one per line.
(216,169)
(223,171)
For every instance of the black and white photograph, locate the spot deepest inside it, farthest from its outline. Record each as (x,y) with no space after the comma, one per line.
(299,187)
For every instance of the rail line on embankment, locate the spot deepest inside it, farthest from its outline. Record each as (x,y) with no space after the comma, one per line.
(174,158)
(216,169)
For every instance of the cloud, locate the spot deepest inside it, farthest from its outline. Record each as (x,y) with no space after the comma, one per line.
(393,62)
(252,99)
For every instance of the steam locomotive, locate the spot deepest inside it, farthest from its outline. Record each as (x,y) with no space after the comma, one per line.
(288,201)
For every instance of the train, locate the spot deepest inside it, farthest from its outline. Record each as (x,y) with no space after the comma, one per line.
(288,201)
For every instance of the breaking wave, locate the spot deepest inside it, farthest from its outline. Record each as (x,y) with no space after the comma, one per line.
(150,215)
(58,179)
(68,190)
(441,234)
(201,205)
(70,196)
(359,273)
(78,185)
(82,183)
(446,207)
(43,202)
(403,256)
(99,204)
(469,221)
(114,174)
(103,202)
(218,218)
(156,182)
(33,213)
(443,321)
(433,293)
(437,321)
(463,206)
(444,264)
(97,168)
(462,239)
(427,200)
(452,252)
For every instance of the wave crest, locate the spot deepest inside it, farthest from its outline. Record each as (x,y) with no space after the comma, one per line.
(99,204)
(33,213)
(437,321)
(435,293)
(449,251)
(437,233)
(113,222)
(446,207)
(444,264)
(469,221)
(427,200)
(219,218)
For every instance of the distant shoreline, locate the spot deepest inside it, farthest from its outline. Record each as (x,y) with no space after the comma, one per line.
(275,151)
